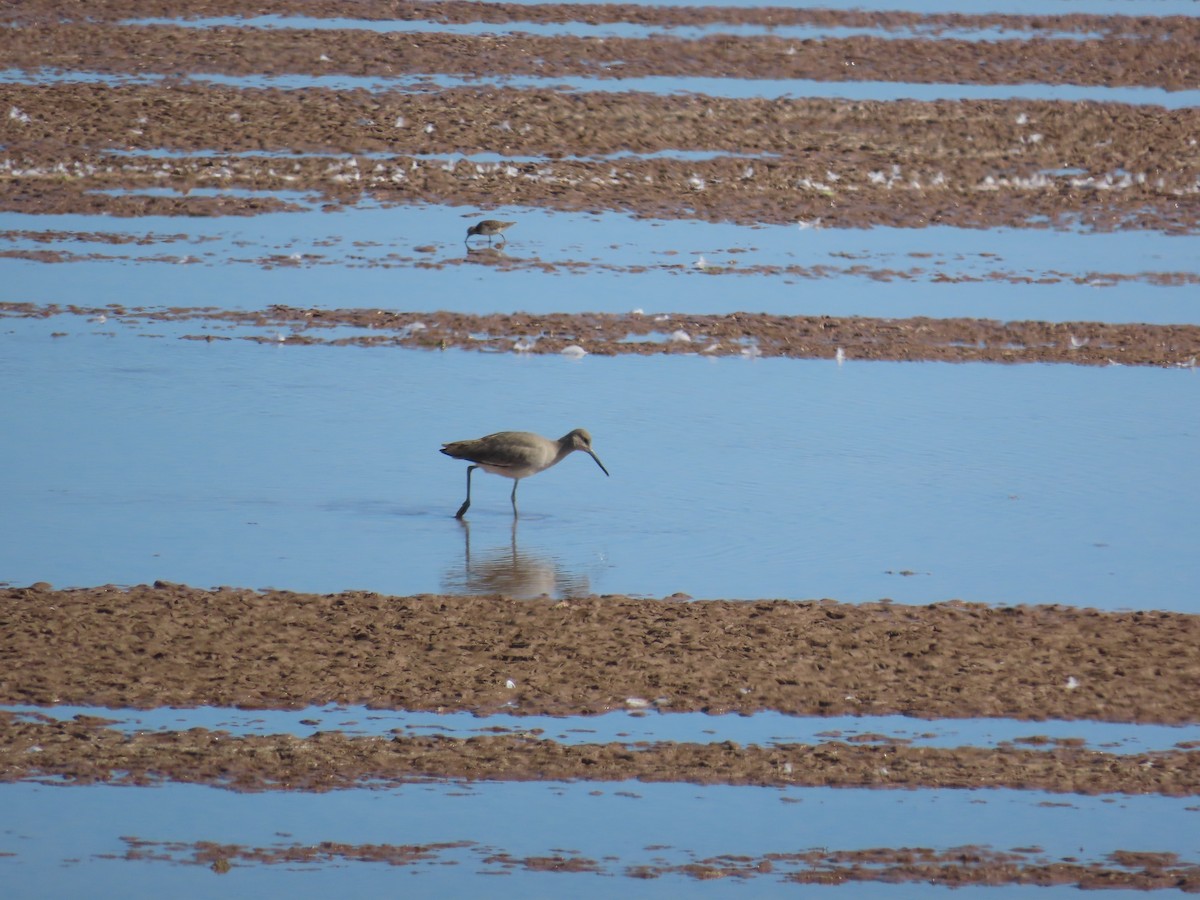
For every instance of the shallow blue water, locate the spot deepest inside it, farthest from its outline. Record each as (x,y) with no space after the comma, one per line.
(317,469)
(632,726)
(73,836)
(714,87)
(367,256)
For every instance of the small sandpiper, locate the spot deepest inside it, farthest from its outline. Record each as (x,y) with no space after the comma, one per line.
(489,228)
(517,455)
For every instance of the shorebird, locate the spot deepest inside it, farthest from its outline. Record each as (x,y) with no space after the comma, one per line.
(489,228)
(517,455)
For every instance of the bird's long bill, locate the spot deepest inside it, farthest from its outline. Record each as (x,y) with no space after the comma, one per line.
(600,464)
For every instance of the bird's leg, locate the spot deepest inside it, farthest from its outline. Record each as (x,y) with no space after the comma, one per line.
(516,481)
(462,510)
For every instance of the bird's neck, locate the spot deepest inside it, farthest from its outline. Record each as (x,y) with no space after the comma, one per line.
(564,450)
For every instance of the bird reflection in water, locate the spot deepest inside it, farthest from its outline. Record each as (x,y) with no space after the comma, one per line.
(501,258)
(511,572)
(491,252)
(490,256)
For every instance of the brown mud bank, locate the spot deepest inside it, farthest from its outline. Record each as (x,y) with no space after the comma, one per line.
(84,751)
(27,12)
(848,163)
(150,646)
(93,148)
(136,48)
(735,334)
(958,866)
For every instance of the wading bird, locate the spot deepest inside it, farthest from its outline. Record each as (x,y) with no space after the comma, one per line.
(517,455)
(489,228)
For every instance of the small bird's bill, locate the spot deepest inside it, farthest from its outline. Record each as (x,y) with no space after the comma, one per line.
(600,464)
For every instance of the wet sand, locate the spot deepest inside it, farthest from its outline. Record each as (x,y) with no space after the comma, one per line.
(736,334)
(161,645)
(960,866)
(173,645)
(85,752)
(465,11)
(977,163)
(854,164)
(1096,166)
(128,47)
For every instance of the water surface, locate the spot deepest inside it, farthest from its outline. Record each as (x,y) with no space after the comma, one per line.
(316,468)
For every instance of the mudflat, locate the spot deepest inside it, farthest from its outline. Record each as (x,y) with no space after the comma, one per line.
(735,334)
(163,118)
(174,645)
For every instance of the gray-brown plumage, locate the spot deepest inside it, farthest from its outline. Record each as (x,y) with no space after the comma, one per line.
(517,455)
(489,228)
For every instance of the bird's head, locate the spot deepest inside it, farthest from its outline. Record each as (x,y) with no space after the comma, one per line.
(579,439)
